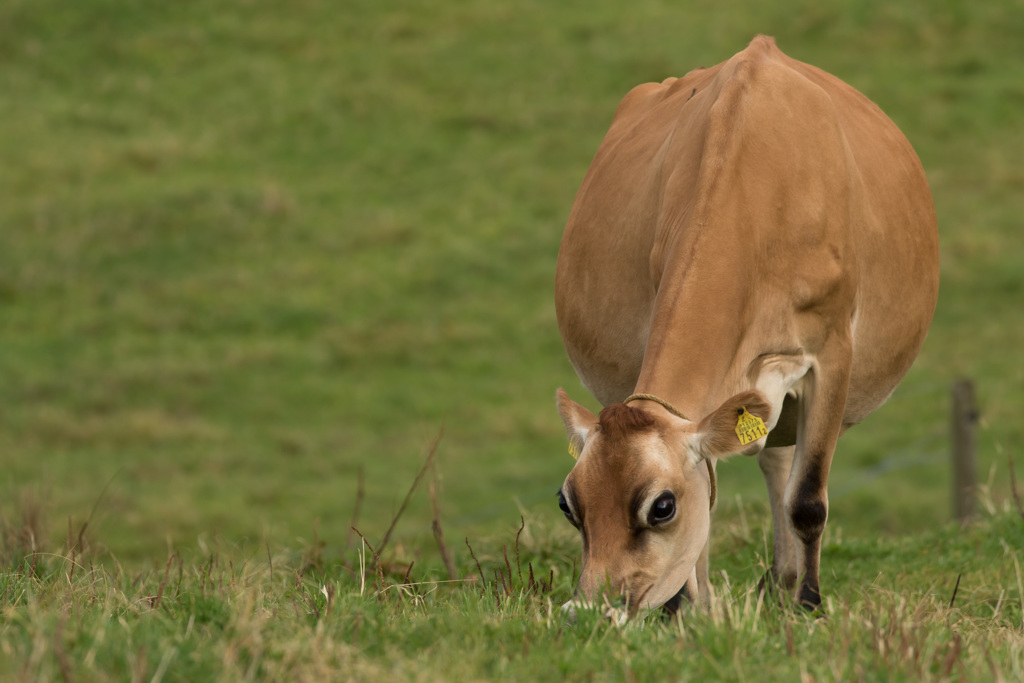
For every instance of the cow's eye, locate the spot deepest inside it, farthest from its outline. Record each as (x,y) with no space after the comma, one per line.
(663,510)
(563,505)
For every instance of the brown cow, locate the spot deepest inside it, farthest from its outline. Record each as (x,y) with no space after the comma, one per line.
(753,242)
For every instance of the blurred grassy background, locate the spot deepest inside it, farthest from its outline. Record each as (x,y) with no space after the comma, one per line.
(248,247)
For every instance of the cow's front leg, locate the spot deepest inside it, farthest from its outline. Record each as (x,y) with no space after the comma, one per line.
(806,499)
(775,465)
(704,560)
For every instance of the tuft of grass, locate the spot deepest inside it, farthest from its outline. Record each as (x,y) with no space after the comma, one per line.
(22,535)
(227,614)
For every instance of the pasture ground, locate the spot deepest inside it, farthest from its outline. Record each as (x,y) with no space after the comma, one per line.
(254,253)
(940,605)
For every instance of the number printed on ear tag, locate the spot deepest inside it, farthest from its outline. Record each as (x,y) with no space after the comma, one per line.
(750,427)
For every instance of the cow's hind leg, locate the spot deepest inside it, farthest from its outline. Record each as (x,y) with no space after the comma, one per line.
(775,464)
(806,499)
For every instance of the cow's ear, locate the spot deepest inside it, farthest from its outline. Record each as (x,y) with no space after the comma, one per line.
(733,426)
(579,422)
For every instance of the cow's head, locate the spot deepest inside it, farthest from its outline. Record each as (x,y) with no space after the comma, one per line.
(641,494)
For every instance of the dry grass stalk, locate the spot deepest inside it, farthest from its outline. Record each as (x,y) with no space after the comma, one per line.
(270,560)
(483,581)
(955,589)
(163,582)
(408,573)
(1013,486)
(438,531)
(18,541)
(519,567)
(376,560)
(360,494)
(431,452)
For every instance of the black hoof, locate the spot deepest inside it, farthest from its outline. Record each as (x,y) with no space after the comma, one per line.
(810,600)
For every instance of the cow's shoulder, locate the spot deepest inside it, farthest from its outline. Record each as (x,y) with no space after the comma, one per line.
(673,92)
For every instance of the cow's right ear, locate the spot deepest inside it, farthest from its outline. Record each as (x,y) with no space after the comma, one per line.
(718,434)
(579,422)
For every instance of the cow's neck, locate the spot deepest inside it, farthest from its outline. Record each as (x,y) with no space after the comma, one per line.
(695,354)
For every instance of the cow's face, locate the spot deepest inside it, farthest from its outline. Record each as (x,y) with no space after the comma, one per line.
(640,494)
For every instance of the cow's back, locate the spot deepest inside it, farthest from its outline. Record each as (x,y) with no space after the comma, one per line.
(657,182)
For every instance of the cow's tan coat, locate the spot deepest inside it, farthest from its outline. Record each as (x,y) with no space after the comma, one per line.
(755,226)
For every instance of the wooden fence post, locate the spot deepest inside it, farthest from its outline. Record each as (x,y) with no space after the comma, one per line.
(965,478)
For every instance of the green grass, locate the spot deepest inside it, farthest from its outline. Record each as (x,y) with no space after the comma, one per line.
(899,610)
(250,249)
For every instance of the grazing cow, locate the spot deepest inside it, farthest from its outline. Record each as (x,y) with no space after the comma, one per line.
(750,266)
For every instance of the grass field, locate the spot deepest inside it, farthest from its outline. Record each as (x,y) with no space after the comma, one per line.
(249,250)
(901,610)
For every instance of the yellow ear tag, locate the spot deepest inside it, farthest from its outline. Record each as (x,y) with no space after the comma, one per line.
(750,427)
(573,451)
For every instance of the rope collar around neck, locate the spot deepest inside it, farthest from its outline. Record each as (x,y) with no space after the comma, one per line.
(660,401)
(670,408)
